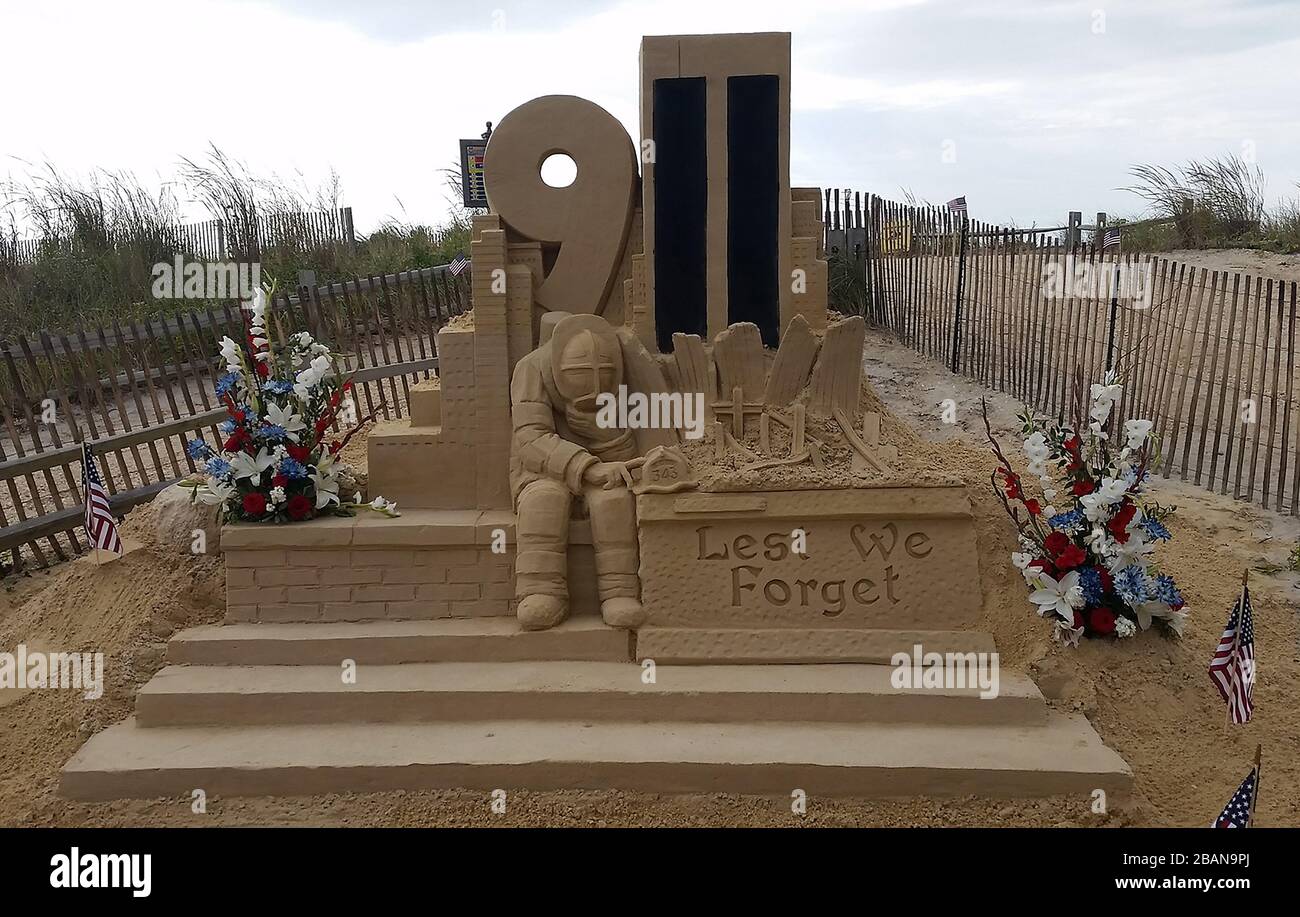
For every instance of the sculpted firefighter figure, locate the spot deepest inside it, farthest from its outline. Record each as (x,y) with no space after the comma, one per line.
(559,452)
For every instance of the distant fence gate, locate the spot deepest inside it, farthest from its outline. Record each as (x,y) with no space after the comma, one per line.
(139,389)
(1209,356)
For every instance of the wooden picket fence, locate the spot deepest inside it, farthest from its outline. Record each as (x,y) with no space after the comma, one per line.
(1208,356)
(235,238)
(139,390)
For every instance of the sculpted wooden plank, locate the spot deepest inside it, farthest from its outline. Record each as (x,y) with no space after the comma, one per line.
(738,352)
(794,360)
(837,378)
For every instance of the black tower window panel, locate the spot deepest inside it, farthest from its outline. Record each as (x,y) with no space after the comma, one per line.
(681,209)
(753,189)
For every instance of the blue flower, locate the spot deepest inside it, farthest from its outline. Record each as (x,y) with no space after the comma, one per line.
(198,449)
(226,383)
(1090,580)
(272,431)
(1154,529)
(1166,591)
(1065,522)
(278,387)
(227,427)
(1133,586)
(218,467)
(293,469)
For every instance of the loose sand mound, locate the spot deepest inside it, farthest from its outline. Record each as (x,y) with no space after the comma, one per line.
(1149,697)
(125,609)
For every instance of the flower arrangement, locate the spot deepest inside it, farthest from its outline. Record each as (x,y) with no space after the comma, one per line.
(275,463)
(1090,565)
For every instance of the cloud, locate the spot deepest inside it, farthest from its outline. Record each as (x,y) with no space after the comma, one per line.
(1045,112)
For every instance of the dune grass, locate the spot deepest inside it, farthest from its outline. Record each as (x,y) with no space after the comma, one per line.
(1210,203)
(91,242)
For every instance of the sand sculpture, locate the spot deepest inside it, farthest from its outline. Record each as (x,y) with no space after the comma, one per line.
(650,442)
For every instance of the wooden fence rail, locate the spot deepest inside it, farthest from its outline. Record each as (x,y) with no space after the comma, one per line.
(138,391)
(1209,356)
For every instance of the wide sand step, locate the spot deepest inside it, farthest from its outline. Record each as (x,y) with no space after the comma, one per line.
(568,690)
(1064,755)
(488,639)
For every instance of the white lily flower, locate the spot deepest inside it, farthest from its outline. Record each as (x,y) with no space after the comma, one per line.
(215,493)
(1135,550)
(326,479)
(1112,490)
(1020,561)
(285,417)
(1094,507)
(1059,597)
(327,490)
(1067,634)
(1176,620)
(247,466)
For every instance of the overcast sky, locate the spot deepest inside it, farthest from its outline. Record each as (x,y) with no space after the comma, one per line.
(1045,103)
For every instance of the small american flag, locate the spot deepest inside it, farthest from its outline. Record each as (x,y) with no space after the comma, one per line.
(101,527)
(958,204)
(458,264)
(1110,239)
(1233,667)
(1240,810)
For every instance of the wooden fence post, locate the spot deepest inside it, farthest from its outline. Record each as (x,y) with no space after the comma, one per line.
(961,285)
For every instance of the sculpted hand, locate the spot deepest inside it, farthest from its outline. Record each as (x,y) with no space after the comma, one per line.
(612,474)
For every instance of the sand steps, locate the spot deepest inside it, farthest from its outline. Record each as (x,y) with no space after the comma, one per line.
(490,639)
(264,709)
(865,759)
(560,690)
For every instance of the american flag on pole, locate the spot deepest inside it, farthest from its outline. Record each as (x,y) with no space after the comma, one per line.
(458,264)
(958,204)
(1240,810)
(101,527)
(1110,239)
(1233,667)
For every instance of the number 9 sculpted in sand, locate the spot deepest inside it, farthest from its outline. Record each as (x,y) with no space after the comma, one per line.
(558,451)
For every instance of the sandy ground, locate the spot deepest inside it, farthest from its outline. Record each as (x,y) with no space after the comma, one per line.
(1149,697)
(1248,260)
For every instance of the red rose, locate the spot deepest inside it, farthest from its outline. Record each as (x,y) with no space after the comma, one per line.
(279,480)
(1107,581)
(236,440)
(1056,542)
(1033,507)
(1071,444)
(1119,525)
(1080,488)
(1078,619)
(299,507)
(1071,557)
(299,453)
(1102,620)
(254,504)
